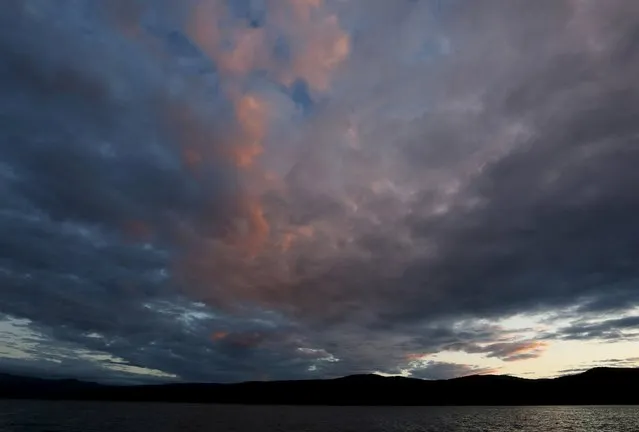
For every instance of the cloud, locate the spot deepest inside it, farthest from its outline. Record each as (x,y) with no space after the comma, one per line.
(506,351)
(221,190)
(631,361)
(434,370)
(619,363)
(610,329)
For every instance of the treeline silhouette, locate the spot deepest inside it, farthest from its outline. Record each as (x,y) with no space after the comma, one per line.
(600,386)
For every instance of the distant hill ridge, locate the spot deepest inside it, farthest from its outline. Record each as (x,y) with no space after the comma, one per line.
(599,386)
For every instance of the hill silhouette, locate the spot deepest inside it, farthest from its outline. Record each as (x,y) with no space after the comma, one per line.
(600,386)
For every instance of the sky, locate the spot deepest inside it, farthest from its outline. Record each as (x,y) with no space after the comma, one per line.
(231,190)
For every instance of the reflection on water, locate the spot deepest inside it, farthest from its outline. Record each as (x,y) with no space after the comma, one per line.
(36,416)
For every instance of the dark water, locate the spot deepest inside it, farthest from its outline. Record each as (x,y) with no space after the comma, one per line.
(19,416)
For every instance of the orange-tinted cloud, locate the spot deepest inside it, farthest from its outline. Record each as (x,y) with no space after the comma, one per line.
(204,27)
(415,356)
(237,50)
(304,8)
(249,52)
(252,117)
(287,241)
(527,351)
(251,229)
(220,335)
(199,145)
(320,44)
(507,351)
(290,237)
(258,226)
(255,230)
(251,114)
(325,49)
(532,346)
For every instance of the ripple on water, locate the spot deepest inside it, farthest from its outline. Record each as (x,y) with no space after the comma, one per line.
(37,416)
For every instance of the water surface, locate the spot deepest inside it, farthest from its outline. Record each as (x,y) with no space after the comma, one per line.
(37,416)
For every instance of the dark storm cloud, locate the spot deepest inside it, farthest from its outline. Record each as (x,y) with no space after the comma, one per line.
(612,329)
(92,186)
(98,153)
(547,221)
(492,176)
(551,222)
(541,216)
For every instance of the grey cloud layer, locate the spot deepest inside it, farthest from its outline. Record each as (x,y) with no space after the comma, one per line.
(494,175)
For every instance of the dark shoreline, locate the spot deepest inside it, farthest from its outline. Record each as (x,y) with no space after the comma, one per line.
(600,386)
